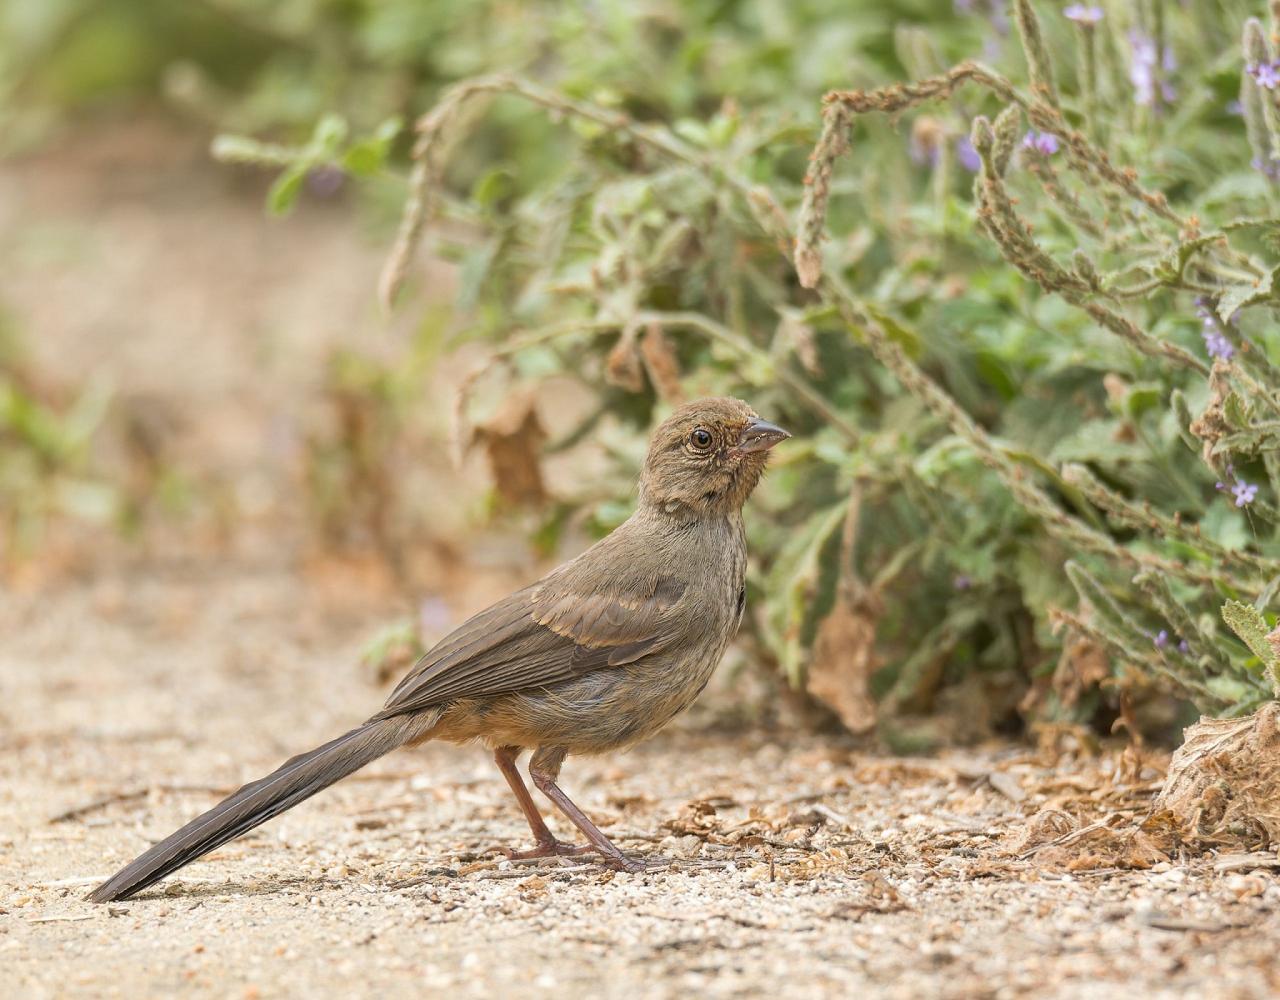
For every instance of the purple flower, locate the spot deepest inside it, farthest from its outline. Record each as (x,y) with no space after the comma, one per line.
(1082,14)
(1265,75)
(1214,333)
(1245,493)
(1268,168)
(1149,67)
(962,582)
(993,10)
(1183,647)
(1217,345)
(967,155)
(1142,67)
(1042,142)
(325,181)
(1161,639)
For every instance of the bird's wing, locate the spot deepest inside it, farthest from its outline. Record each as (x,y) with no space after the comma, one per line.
(539,636)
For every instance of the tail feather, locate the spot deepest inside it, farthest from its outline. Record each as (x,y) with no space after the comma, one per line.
(296,779)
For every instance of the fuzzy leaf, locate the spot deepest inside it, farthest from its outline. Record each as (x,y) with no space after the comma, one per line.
(1245,293)
(1247,622)
(284,192)
(1236,410)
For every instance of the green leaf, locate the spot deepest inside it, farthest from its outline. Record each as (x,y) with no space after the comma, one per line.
(793,581)
(364,159)
(233,148)
(1230,690)
(1245,293)
(1250,442)
(1268,593)
(1141,397)
(1247,622)
(399,638)
(329,135)
(1236,224)
(284,192)
(1069,490)
(1225,524)
(1182,419)
(1236,410)
(1170,267)
(909,340)
(388,129)
(495,186)
(1111,618)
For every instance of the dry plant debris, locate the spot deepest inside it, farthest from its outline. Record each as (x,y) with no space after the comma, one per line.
(1223,788)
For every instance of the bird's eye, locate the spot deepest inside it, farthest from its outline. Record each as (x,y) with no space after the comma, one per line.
(700,439)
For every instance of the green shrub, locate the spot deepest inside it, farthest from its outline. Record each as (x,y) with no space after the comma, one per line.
(46,474)
(1069,418)
(1022,323)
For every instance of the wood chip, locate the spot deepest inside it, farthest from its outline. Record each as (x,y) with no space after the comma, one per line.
(67,917)
(1245,862)
(1168,922)
(1007,785)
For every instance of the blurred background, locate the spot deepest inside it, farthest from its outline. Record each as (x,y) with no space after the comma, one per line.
(198,382)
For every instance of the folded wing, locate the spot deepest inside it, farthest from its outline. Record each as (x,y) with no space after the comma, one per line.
(539,636)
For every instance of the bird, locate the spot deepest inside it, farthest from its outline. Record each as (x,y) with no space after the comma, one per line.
(599,654)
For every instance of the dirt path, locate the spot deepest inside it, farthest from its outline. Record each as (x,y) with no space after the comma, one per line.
(803,868)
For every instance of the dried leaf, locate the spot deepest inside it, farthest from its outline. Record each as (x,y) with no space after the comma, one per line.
(1223,785)
(1082,667)
(844,658)
(799,336)
(661,363)
(1007,785)
(1045,827)
(512,439)
(623,367)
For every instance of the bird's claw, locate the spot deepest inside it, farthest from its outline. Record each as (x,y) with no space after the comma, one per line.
(630,865)
(548,849)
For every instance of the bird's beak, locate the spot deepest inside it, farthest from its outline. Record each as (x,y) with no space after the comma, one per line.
(760,435)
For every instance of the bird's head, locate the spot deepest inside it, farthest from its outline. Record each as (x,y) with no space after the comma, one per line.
(706,458)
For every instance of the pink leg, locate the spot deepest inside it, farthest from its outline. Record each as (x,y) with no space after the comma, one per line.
(544,768)
(547,844)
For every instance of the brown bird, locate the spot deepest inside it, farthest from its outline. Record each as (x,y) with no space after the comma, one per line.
(597,655)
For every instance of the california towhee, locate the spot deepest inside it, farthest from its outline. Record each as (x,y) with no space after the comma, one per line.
(597,655)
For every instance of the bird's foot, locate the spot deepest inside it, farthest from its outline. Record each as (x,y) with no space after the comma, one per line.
(548,849)
(624,864)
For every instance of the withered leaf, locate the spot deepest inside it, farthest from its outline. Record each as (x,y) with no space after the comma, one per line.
(512,440)
(844,658)
(661,363)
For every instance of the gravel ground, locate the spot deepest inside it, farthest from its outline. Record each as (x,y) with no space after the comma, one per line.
(802,867)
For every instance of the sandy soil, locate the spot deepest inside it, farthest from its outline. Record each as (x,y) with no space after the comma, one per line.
(803,867)
(136,694)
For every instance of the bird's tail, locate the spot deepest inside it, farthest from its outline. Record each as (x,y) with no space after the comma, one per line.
(296,779)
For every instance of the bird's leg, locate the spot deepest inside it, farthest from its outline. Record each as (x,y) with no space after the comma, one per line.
(544,768)
(548,845)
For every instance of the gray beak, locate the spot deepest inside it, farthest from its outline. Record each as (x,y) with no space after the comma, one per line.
(760,435)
